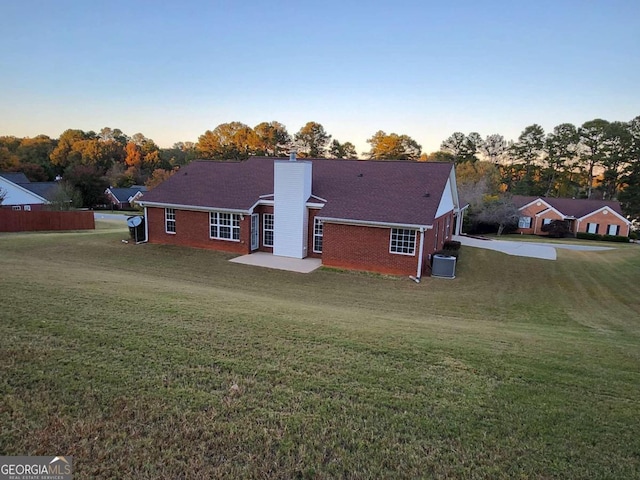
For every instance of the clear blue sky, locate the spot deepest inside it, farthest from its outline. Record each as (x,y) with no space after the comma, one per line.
(172,70)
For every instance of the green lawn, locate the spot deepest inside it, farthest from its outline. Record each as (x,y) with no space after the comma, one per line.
(154,361)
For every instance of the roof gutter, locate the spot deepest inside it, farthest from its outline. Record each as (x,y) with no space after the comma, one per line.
(194,208)
(369,223)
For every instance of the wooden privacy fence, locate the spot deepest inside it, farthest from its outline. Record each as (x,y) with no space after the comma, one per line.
(21,221)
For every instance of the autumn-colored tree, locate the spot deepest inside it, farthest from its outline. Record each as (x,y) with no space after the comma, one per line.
(438,156)
(133,155)
(63,155)
(158,176)
(8,160)
(393,147)
(274,140)
(36,151)
(228,141)
(312,140)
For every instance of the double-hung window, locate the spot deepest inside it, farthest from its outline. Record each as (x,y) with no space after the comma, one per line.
(317,235)
(592,228)
(224,226)
(403,241)
(267,229)
(170,220)
(524,222)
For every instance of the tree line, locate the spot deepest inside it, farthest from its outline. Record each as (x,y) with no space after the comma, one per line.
(599,159)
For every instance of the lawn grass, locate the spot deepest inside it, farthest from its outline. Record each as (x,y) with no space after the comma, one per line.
(156,361)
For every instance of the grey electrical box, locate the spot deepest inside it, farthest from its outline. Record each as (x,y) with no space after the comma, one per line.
(444,266)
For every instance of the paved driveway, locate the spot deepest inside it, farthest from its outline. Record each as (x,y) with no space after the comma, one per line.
(545,251)
(112,217)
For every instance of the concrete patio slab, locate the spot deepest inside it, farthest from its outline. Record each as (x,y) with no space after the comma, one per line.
(268,260)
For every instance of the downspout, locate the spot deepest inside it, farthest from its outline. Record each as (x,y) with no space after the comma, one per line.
(419,269)
(146,227)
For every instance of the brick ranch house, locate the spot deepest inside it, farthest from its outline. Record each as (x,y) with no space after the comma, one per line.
(123,198)
(591,216)
(380,216)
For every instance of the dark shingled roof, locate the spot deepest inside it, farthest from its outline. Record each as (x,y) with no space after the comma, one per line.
(123,194)
(370,191)
(45,190)
(15,177)
(570,207)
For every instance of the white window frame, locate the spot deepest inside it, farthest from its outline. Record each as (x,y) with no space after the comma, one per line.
(524,222)
(590,228)
(402,241)
(616,230)
(267,229)
(170,220)
(318,232)
(224,226)
(27,208)
(546,221)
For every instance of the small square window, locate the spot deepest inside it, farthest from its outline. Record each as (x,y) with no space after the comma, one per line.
(403,241)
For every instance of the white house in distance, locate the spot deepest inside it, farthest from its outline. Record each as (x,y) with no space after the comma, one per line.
(22,194)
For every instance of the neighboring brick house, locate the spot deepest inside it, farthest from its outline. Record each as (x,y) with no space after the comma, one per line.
(123,198)
(381,216)
(592,216)
(22,194)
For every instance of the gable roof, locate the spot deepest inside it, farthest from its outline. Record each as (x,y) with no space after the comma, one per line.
(366,191)
(124,194)
(570,207)
(15,177)
(42,191)
(45,190)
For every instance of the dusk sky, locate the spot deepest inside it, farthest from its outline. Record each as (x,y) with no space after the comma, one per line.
(172,70)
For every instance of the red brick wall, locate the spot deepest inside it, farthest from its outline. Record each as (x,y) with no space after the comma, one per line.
(531,211)
(192,230)
(538,222)
(21,221)
(604,220)
(439,226)
(365,248)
